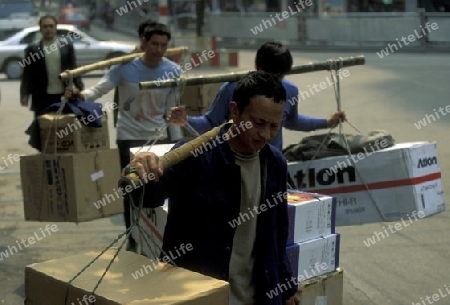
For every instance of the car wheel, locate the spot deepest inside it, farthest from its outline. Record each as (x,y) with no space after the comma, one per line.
(13,69)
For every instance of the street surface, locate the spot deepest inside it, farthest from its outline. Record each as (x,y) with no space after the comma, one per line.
(391,94)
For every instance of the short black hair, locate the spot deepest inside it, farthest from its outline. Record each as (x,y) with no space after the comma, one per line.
(47,17)
(158,28)
(274,58)
(144,24)
(258,83)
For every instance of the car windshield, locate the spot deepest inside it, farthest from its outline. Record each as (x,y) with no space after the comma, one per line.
(76,16)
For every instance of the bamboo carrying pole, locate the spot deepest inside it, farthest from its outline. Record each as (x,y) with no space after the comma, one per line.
(184,151)
(174,157)
(233,77)
(114,61)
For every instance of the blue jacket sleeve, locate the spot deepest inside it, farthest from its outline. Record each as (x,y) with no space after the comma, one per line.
(217,114)
(300,122)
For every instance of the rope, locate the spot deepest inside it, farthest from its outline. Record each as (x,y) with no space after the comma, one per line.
(137,210)
(336,87)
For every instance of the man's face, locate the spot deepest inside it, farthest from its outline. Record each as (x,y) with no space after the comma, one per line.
(265,116)
(156,46)
(48,28)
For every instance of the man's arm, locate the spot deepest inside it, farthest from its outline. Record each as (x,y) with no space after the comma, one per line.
(108,82)
(300,122)
(175,132)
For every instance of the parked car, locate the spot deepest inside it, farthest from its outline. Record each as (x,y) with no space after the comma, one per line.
(88,49)
(74,16)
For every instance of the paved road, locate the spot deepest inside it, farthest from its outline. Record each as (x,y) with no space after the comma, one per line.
(391,94)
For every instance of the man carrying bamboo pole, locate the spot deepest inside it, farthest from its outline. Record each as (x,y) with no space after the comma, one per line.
(274,58)
(141,113)
(228,200)
(139,48)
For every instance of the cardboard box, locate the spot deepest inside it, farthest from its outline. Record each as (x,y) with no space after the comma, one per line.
(71,135)
(200,96)
(197,100)
(46,282)
(71,187)
(324,289)
(402,179)
(314,257)
(310,216)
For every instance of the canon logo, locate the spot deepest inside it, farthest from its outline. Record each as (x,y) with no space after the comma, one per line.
(424,162)
(322,177)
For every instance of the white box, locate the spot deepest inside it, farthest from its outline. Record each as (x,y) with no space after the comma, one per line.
(403,178)
(314,257)
(153,221)
(310,216)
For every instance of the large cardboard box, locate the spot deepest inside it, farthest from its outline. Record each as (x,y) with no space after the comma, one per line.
(326,289)
(197,100)
(72,135)
(310,216)
(46,282)
(401,179)
(71,187)
(200,96)
(314,257)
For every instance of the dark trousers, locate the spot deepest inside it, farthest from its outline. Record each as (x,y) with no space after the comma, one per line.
(124,155)
(45,102)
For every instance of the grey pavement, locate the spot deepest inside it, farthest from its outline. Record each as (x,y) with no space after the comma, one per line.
(391,94)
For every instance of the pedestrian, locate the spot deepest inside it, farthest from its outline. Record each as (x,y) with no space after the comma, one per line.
(47,59)
(139,48)
(271,57)
(141,112)
(240,177)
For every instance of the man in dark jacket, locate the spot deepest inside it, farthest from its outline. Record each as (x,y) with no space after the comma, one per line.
(227,201)
(45,60)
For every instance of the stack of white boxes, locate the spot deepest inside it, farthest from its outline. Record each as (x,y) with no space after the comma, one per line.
(313,247)
(313,244)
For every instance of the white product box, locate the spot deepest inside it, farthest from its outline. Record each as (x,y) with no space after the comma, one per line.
(310,216)
(403,178)
(314,257)
(153,221)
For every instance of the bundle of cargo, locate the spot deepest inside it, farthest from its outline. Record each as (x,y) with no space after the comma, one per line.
(386,184)
(197,100)
(312,246)
(75,177)
(131,279)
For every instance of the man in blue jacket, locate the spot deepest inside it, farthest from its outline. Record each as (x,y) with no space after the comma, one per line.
(271,57)
(228,200)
